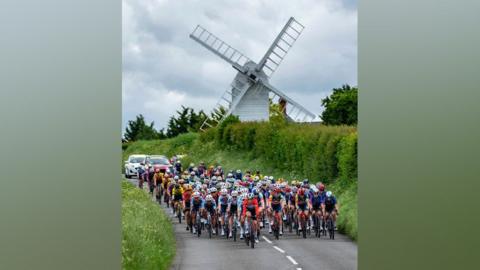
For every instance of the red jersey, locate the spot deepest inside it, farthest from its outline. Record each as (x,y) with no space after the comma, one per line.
(248,202)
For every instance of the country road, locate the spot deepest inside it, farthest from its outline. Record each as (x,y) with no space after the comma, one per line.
(289,252)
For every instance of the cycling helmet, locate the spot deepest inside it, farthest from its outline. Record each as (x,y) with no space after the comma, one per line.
(270,178)
(219,178)
(250,196)
(229,175)
(196,194)
(329,194)
(214,178)
(213,189)
(223,191)
(239,171)
(256,178)
(305,181)
(192,165)
(192,173)
(209,198)
(195,169)
(234,193)
(176,178)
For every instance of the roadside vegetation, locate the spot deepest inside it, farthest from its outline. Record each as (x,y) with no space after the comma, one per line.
(148,241)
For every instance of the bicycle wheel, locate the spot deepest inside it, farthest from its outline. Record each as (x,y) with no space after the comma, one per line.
(234,230)
(179,214)
(209,228)
(304,227)
(252,236)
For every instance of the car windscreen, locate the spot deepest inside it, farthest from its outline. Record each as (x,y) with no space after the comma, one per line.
(137,160)
(159,161)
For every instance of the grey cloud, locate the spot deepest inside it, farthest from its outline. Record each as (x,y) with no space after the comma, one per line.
(161,64)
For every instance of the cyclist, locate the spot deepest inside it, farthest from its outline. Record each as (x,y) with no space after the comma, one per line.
(201,168)
(330,207)
(276,203)
(238,174)
(157,181)
(250,210)
(177,192)
(187,196)
(316,201)
(302,204)
(210,207)
(197,205)
(223,200)
(232,210)
(178,167)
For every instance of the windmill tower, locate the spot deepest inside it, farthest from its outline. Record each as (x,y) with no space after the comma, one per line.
(250,92)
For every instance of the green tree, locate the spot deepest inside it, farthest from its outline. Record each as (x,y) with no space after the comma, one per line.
(138,129)
(341,106)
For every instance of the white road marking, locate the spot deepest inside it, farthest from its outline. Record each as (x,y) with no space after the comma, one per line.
(279,249)
(266,239)
(292,260)
(299,268)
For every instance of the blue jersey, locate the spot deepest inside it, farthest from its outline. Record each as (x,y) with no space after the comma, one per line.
(223,200)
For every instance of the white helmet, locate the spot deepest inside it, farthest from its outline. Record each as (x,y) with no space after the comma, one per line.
(234,193)
(265,178)
(239,171)
(329,194)
(209,197)
(196,194)
(214,178)
(270,178)
(213,189)
(223,191)
(176,177)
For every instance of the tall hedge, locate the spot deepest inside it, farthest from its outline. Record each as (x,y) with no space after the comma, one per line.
(321,153)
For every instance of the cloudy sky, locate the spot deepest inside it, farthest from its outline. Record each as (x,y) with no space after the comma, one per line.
(163,68)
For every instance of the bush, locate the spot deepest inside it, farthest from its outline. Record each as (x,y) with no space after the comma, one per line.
(148,241)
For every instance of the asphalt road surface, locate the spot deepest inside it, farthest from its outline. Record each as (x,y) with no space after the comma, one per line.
(289,252)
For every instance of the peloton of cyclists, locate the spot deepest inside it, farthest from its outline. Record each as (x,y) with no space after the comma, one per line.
(255,201)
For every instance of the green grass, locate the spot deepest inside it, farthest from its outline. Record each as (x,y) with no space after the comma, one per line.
(209,152)
(148,241)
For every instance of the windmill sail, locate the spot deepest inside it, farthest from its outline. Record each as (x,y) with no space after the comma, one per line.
(280,46)
(293,110)
(219,47)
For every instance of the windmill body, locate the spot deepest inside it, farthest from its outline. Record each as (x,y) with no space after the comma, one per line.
(250,93)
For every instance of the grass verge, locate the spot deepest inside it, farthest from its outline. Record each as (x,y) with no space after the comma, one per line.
(148,240)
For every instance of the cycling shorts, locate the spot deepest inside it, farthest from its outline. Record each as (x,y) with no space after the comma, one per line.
(223,208)
(233,208)
(177,197)
(302,207)
(316,207)
(277,207)
(330,209)
(252,212)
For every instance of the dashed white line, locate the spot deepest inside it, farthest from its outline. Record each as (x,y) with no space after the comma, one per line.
(266,239)
(279,249)
(299,268)
(292,260)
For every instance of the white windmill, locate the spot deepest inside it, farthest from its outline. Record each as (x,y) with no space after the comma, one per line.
(250,91)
